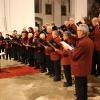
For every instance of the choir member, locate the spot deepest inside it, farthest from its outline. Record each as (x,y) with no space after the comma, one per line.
(35,44)
(66,60)
(54,27)
(48,51)
(1,44)
(64,27)
(95,36)
(30,50)
(81,63)
(23,41)
(43,29)
(18,36)
(55,57)
(31,30)
(41,53)
(14,45)
(8,47)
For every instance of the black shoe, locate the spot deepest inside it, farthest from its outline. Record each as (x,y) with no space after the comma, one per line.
(97,74)
(51,75)
(19,60)
(47,74)
(57,79)
(43,70)
(67,85)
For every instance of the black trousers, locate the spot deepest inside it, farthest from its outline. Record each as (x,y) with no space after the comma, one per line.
(18,52)
(23,53)
(67,72)
(42,61)
(36,61)
(96,63)
(81,88)
(30,56)
(14,51)
(57,69)
(8,53)
(2,50)
(48,64)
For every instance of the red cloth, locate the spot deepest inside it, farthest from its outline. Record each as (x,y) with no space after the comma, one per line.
(17,71)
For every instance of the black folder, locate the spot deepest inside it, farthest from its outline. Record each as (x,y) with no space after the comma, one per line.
(42,42)
(53,44)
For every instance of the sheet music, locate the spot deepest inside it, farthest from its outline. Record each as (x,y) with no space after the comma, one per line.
(66,45)
(2,53)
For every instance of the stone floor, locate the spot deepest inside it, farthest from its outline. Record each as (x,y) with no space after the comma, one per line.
(40,87)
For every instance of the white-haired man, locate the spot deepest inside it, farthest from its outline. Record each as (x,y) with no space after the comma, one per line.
(81,64)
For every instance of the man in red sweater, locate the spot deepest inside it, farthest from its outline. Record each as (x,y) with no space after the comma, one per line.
(81,63)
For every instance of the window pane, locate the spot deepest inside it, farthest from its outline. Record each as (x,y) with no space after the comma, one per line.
(63,10)
(37,6)
(48,9)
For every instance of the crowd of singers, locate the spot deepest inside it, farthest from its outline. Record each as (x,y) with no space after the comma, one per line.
(43,49)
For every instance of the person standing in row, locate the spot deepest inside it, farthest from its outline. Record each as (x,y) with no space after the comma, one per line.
(30,50)
(23,41)
(14,45)
(8,47)
(95,36)
(48,51)
(1,44)
(55,57)
(66,60)
(81,63)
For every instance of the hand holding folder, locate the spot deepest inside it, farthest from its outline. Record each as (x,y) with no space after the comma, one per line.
(66,45)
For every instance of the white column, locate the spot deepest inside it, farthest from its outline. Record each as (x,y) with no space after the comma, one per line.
(57,12)
(78,9)
(8,15)
(20,13)
(2,16)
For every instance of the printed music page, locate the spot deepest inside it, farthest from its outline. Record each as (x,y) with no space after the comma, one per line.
(66,45)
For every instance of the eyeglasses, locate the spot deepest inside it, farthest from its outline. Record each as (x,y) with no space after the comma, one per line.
(79,30)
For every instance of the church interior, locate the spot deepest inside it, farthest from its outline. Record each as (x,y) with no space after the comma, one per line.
(34,62)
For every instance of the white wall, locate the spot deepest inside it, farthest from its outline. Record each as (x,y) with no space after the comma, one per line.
(78,9)
(20,13)
(2,16)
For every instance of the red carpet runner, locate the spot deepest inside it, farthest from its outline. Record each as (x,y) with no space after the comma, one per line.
(17,71)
